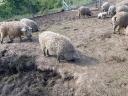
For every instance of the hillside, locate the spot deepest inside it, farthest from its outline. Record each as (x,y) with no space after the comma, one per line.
(101,71)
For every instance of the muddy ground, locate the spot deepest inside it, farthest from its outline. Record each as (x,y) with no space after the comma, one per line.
(101,71)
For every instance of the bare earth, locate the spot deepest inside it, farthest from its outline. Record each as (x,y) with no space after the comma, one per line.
(101,71)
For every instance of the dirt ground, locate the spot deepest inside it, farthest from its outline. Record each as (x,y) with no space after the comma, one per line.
(101,71)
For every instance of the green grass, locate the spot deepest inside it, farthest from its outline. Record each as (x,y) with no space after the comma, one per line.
(81,2)
(16,17)
(76,3)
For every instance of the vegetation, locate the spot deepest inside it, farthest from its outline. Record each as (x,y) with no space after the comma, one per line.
(12,8)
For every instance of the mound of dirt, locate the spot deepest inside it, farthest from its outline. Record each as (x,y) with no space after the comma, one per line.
(32,83)
(16,64)
(20,75)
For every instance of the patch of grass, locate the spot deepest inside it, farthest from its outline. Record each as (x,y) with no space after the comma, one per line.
(81,2)
(18,17)
(74,4)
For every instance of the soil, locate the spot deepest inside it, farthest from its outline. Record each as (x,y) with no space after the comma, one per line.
(101,70)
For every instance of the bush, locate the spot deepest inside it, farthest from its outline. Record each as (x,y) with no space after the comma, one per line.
(18,7)
(50,4)
(11,8)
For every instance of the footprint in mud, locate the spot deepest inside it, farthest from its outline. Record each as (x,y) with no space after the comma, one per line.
(66,27)
(75,29)
(81,45)
(118,59)
(104,36)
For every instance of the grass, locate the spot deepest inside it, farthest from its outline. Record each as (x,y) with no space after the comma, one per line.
(16,17)
(76,3)
(81,2)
